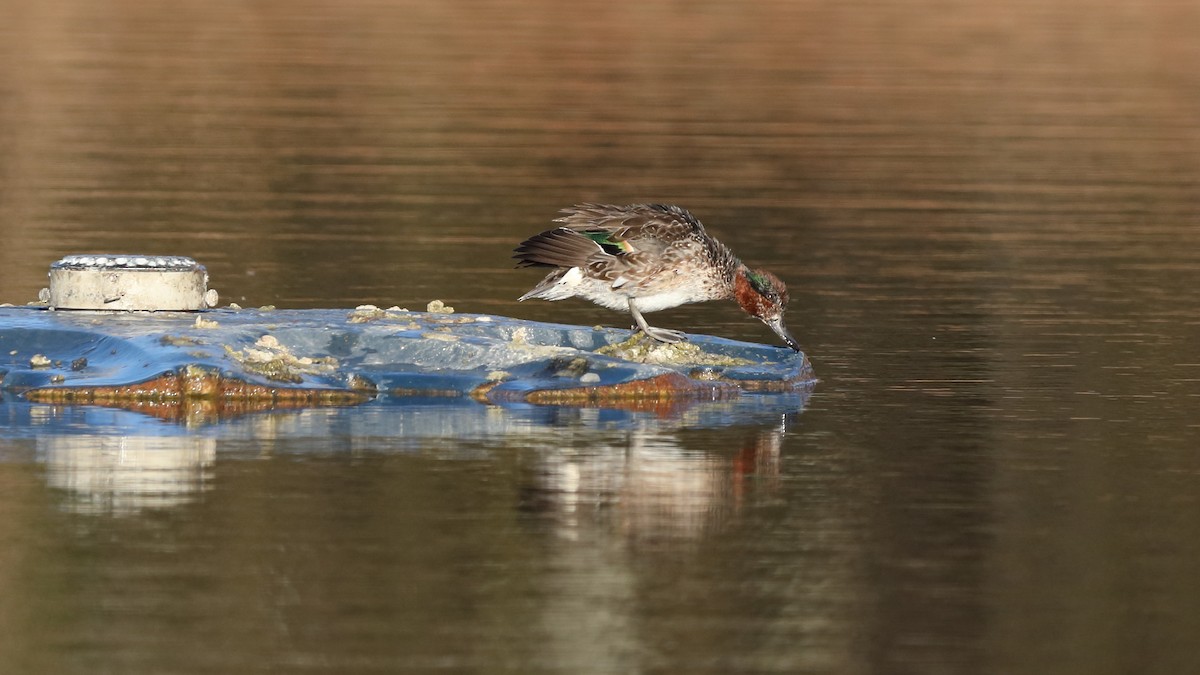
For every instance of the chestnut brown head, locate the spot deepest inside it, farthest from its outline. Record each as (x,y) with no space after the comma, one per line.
(764,296)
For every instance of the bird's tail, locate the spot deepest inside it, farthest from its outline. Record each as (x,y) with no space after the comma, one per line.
(558,285)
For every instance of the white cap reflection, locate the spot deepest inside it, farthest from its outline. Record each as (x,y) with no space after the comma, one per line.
(122,475)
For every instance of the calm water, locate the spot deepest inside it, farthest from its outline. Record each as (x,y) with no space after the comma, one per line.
(987,214)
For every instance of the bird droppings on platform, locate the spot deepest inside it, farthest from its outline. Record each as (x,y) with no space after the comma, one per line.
(267,357)
(367,313)
(364,313)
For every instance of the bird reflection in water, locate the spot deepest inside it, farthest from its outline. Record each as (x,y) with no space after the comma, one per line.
(652,485)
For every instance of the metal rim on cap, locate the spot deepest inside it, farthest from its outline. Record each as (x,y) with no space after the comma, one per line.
(127,262)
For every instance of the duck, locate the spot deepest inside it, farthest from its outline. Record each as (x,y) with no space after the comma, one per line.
(643,258)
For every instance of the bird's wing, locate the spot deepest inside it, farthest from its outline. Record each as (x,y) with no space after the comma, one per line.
(619,244)
(652,229)
(560,247)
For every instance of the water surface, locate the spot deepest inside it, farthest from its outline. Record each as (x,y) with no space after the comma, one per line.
(986,215)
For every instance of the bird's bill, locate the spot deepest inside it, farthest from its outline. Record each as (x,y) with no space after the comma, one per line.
(781,330)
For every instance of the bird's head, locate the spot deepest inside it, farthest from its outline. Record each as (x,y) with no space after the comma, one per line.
(764,297)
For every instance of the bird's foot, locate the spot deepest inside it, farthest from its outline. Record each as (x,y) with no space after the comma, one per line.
(664,335)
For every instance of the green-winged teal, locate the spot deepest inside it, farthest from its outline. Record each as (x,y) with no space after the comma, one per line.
(645,258)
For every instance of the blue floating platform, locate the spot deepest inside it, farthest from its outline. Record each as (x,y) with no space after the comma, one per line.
(330,355)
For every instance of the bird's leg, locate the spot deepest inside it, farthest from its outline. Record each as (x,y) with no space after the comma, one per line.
(660,334)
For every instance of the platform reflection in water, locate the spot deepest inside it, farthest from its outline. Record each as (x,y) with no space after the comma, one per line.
(118,461)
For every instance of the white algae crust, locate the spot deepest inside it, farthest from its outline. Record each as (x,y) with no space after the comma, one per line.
(640,348)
